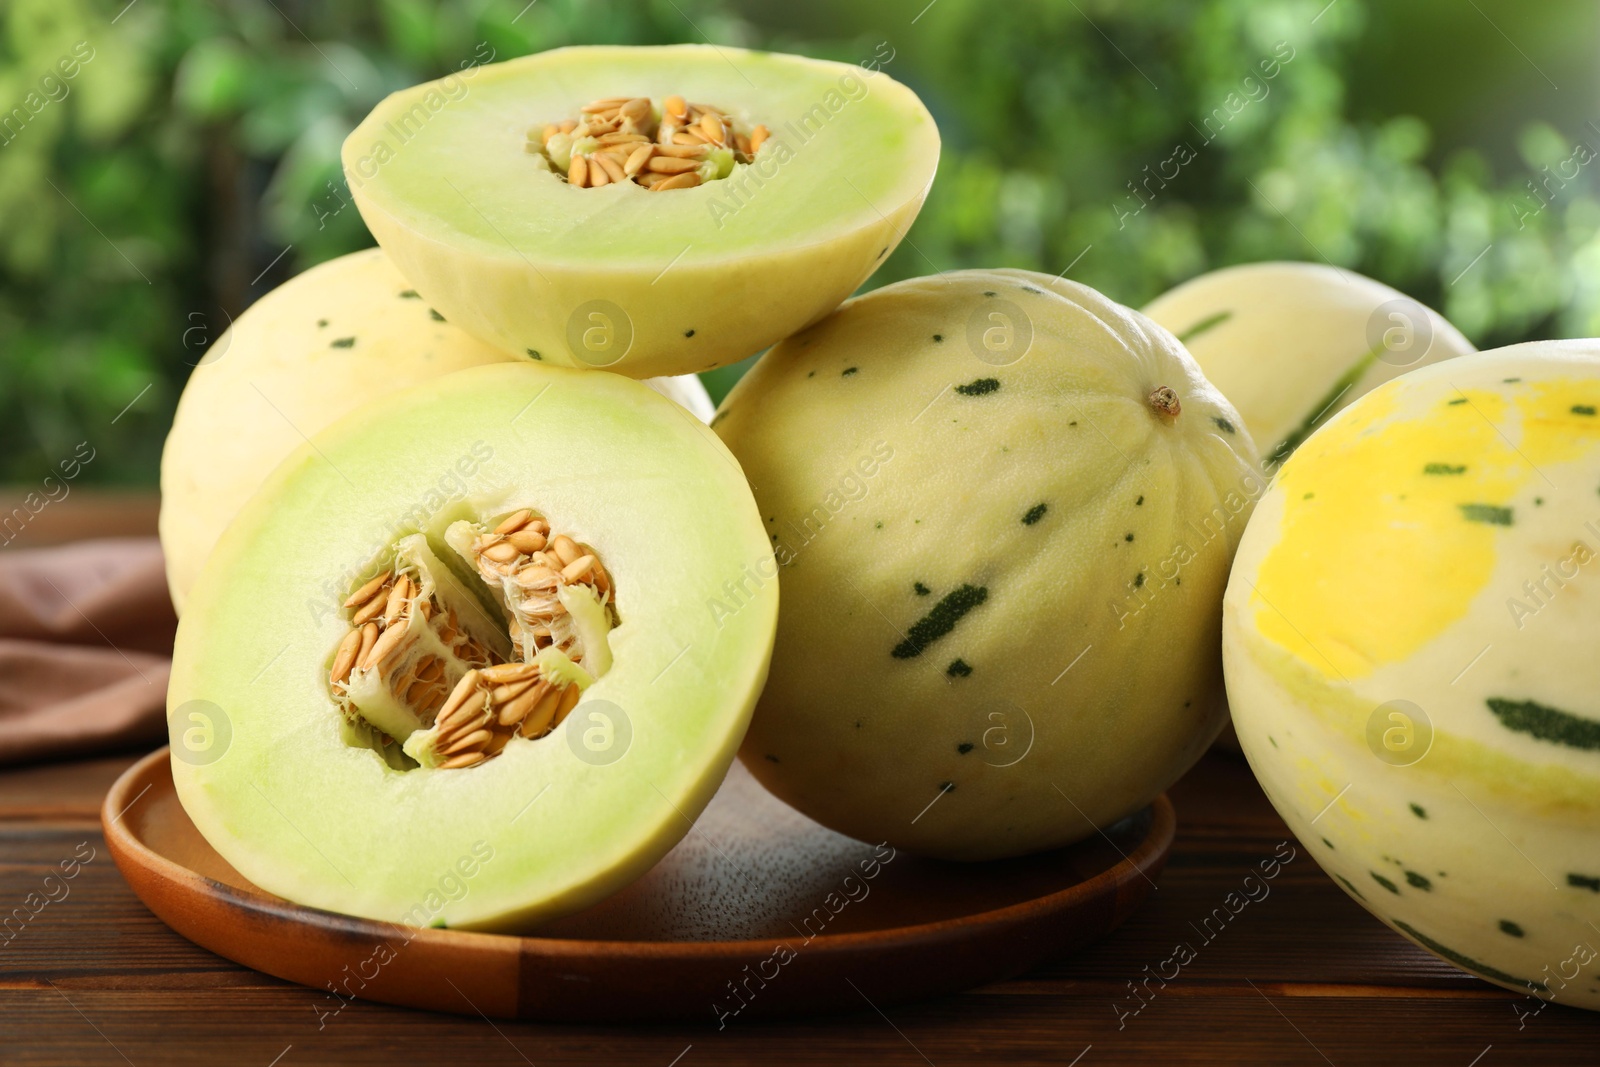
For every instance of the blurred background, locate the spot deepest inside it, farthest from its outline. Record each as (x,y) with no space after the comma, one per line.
(190,162)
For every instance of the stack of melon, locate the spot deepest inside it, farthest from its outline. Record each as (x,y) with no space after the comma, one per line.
(431,541)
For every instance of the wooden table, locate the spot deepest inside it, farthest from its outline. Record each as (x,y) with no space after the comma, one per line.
(1302,976)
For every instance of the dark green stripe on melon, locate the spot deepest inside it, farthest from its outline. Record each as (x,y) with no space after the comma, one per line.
(1492,514)
(940,620)
(1546,723)
(979,386)
(1319,414)
(1465,962)
(1584,881)
(1207,323)
(1444,468)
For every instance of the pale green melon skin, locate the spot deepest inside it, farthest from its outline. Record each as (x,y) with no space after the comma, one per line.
(1293,329)
(1503,831)
(864,741)
(277,377)
(510,253)
(310,818)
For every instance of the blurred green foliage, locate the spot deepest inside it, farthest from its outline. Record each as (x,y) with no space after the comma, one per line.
(190,163)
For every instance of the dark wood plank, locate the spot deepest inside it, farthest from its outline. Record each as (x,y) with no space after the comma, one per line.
(1302,976)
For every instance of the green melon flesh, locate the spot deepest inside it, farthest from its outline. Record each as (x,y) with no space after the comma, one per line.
(1291,344)
(686,280)
(343,333)
(309,813)
(990,641)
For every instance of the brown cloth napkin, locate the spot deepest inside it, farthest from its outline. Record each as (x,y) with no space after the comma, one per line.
(85,639)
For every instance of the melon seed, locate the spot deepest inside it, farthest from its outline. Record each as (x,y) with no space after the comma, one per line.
(620,140)
(474,702)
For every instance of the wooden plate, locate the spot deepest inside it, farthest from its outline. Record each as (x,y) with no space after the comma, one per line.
(758,912)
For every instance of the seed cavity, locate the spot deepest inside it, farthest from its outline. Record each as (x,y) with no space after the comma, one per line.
(430,675)
(624,140)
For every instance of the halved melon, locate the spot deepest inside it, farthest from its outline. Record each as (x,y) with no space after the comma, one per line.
(460,183)
(341,334)
(454,665)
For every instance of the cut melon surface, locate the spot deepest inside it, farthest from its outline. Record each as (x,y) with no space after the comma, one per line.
(644,283)
(1004,508)
(314,806)
(346,332)
(1409,640)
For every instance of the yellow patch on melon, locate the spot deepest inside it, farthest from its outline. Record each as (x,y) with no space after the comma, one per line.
(1376,556)
(1546,790)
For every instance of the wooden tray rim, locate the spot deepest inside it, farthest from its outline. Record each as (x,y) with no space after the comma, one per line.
(1144,861)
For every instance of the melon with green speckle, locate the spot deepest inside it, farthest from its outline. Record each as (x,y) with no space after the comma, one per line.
(1291,344)
(1003,508)
(1410,640)
(344,333)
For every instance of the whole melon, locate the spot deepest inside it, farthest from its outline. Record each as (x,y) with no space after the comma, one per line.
(346,332)
(1003,509)
(1410,639)
(1292,343)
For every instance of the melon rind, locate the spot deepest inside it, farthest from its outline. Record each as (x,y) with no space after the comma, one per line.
(343,333)
(305,815)
(1438,544)
(1291,342)
(894,466)
(690,279)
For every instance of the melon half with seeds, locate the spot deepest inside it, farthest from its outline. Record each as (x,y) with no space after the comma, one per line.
(453,663)
(648,210)
(344,333)
(1410,640)
(1004,508)
(1294,343)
